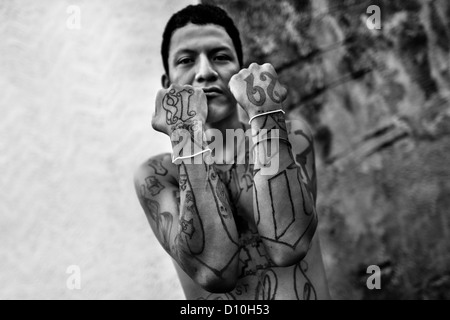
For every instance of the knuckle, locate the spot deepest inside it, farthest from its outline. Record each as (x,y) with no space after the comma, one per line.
(254,65)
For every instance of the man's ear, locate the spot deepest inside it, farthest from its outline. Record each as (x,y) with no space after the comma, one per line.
(165,81)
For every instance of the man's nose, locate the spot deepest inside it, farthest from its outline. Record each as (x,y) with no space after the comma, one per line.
(205,71)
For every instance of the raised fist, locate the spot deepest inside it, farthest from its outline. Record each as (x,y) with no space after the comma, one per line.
(179,106)
(257,89)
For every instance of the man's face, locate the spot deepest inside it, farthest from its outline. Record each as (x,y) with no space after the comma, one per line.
(204,56)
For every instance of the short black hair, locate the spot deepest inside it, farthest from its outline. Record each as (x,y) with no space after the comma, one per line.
(200,14)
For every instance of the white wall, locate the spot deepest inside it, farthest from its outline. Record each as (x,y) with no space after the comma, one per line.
(75,109)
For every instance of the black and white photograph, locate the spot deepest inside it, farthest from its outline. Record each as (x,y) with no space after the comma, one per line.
(194,150)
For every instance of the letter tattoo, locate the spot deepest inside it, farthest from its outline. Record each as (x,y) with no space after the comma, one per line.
(177,106)
(273,95)
(253,90)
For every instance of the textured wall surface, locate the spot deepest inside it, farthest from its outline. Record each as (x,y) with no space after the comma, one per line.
(75,122)
(378,102)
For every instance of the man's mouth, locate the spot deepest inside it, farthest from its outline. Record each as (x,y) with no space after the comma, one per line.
(211,92)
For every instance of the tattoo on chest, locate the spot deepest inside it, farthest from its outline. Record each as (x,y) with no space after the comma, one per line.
(267,286)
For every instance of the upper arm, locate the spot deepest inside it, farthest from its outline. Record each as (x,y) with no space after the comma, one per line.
(158,194)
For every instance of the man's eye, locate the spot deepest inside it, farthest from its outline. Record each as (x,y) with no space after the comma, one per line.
(222,57)
(185,61)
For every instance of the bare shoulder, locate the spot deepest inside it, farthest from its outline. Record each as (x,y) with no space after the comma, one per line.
(160,165)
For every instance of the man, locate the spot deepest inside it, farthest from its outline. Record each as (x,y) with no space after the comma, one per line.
(234,230)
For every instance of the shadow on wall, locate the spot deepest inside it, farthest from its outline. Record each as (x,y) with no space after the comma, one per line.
(378,102)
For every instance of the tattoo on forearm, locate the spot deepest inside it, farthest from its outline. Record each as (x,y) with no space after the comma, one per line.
(177,196)
(263,138)
(163,221)
(187,227)
(302,160)
(307,292)
(253,256)
(191,221)
(177,106)
(223,203)
(299,204)
(191,238)
(281,184)
(183,181)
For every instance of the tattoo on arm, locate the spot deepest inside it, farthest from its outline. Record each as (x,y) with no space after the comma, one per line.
(267,286)
(153,186)
(302,161)
(297,210)
(162,220)
(192,226)
(158,167)
(307,292)
(190,242)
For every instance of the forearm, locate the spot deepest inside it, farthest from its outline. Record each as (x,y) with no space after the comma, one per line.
(207,240)
(284,210)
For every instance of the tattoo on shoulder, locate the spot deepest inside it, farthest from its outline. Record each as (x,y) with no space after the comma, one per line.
(158,167)
(153,186)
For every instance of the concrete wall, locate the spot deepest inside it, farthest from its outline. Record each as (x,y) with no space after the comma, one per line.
(378,102)
(75,121)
